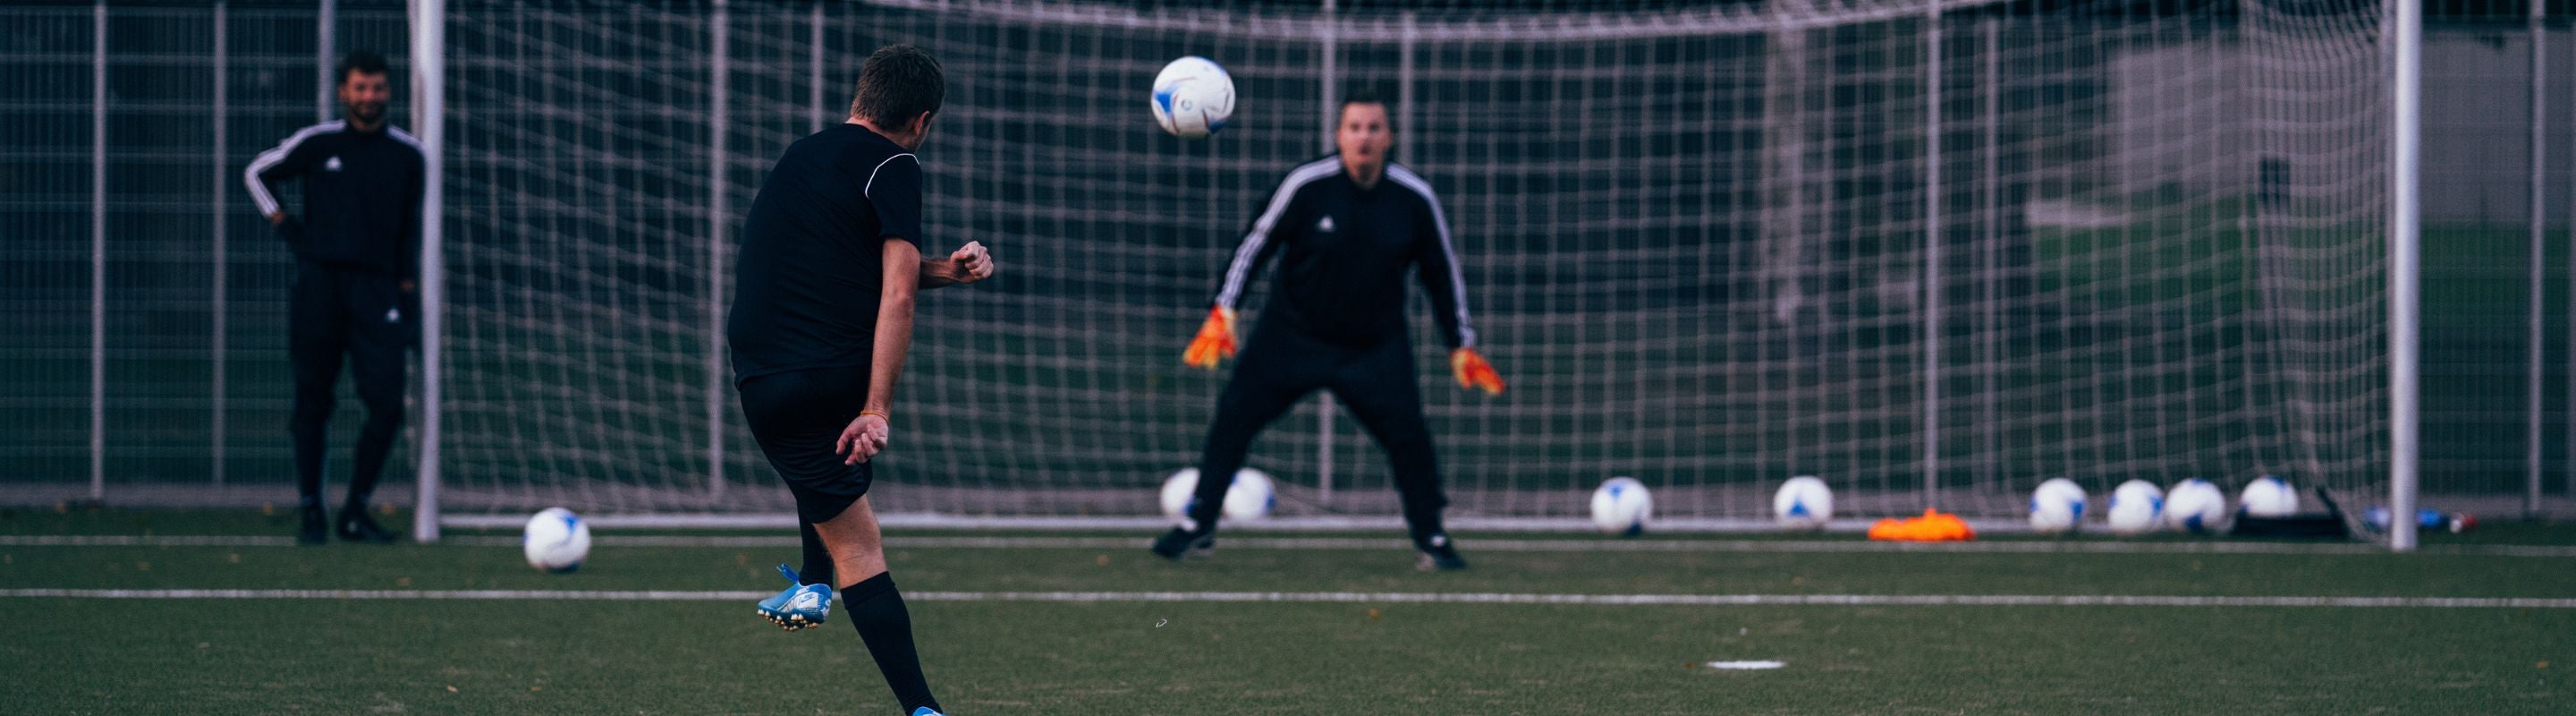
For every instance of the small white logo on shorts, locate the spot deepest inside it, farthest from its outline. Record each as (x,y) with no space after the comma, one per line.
(331,164)
(393,315)
(1325,226)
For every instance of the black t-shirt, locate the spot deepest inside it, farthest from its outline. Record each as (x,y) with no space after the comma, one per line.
(807,279)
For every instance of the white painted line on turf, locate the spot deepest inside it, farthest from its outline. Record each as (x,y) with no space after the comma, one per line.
(1745,665)
(464,594)
(1972,600)
(143,541)
(735,541)
(1751,599)
(1366,543)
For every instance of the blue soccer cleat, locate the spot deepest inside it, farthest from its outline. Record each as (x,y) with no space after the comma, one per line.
(802,606)
(927,711)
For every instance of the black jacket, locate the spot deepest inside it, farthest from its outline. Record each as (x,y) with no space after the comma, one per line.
(361,196)
(1344,255)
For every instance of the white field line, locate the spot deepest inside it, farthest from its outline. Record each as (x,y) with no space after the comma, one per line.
(1362,543)
(1971,600)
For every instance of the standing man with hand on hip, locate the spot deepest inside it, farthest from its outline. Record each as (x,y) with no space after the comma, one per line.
(357,273)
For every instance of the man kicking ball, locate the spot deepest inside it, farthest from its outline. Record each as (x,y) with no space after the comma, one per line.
(822,317)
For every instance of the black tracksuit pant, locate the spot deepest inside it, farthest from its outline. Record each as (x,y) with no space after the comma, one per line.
(367,316)
(1376,381)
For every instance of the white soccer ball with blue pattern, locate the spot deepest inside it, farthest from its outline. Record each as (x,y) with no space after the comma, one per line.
(2195,506)
(1252,496)
(2268,496)
(2057,507)
(1803,503)
(1193,97)
(556,540)
(1621,506)
(2137,507)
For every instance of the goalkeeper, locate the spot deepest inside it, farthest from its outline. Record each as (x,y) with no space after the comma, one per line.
(1346,229)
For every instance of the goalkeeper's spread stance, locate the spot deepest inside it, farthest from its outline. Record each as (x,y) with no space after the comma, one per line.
(1350,227)
(822,317)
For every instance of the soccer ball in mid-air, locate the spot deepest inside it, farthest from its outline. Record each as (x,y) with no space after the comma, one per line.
(556,540)
(2057,507)
(2136,507)
(2268,496)
(1803,502)
(1193,97)
(1251,497)
(1622,507)
(2195,506)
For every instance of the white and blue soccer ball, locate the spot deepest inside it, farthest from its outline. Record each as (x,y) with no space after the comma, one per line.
(2195,506)
(1252,496)
(1193,97)
(2268,496)
(2137,507)
(2057,507)
(1803,503)
(556,540)
(1621,506)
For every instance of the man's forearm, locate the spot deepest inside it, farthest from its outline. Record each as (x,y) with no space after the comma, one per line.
(938,272)
(894,339)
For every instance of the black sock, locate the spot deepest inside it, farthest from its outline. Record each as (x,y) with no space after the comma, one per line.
(876,609)
(818,561)
(309,447)
(1422,527)
(375,443)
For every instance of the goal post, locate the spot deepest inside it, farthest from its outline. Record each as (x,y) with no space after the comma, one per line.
(1932,252)
(429,94)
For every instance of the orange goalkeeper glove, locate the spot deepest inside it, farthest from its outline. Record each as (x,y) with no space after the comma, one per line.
(1474,372)
(1215,340)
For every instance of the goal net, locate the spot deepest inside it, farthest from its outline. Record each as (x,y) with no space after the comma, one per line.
(1930,252)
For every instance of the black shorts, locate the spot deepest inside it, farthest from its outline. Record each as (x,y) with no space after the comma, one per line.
(797,416)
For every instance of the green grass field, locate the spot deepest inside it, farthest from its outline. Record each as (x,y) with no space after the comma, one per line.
(1352,630)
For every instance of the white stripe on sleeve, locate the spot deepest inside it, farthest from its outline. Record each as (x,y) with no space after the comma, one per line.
(250,176)
(1457,278)
(872,173)
(406,138)
(1239,272)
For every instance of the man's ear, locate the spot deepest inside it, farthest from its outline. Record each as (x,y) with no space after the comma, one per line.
(919,124)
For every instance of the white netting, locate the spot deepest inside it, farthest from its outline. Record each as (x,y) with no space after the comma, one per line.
(1695,241)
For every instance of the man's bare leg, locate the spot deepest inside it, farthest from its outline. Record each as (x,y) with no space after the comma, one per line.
(875,607)
(858,548)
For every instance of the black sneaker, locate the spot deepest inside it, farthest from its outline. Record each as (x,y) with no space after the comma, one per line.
(1438,554)
(1182,542)
(316,527)
(356,526)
